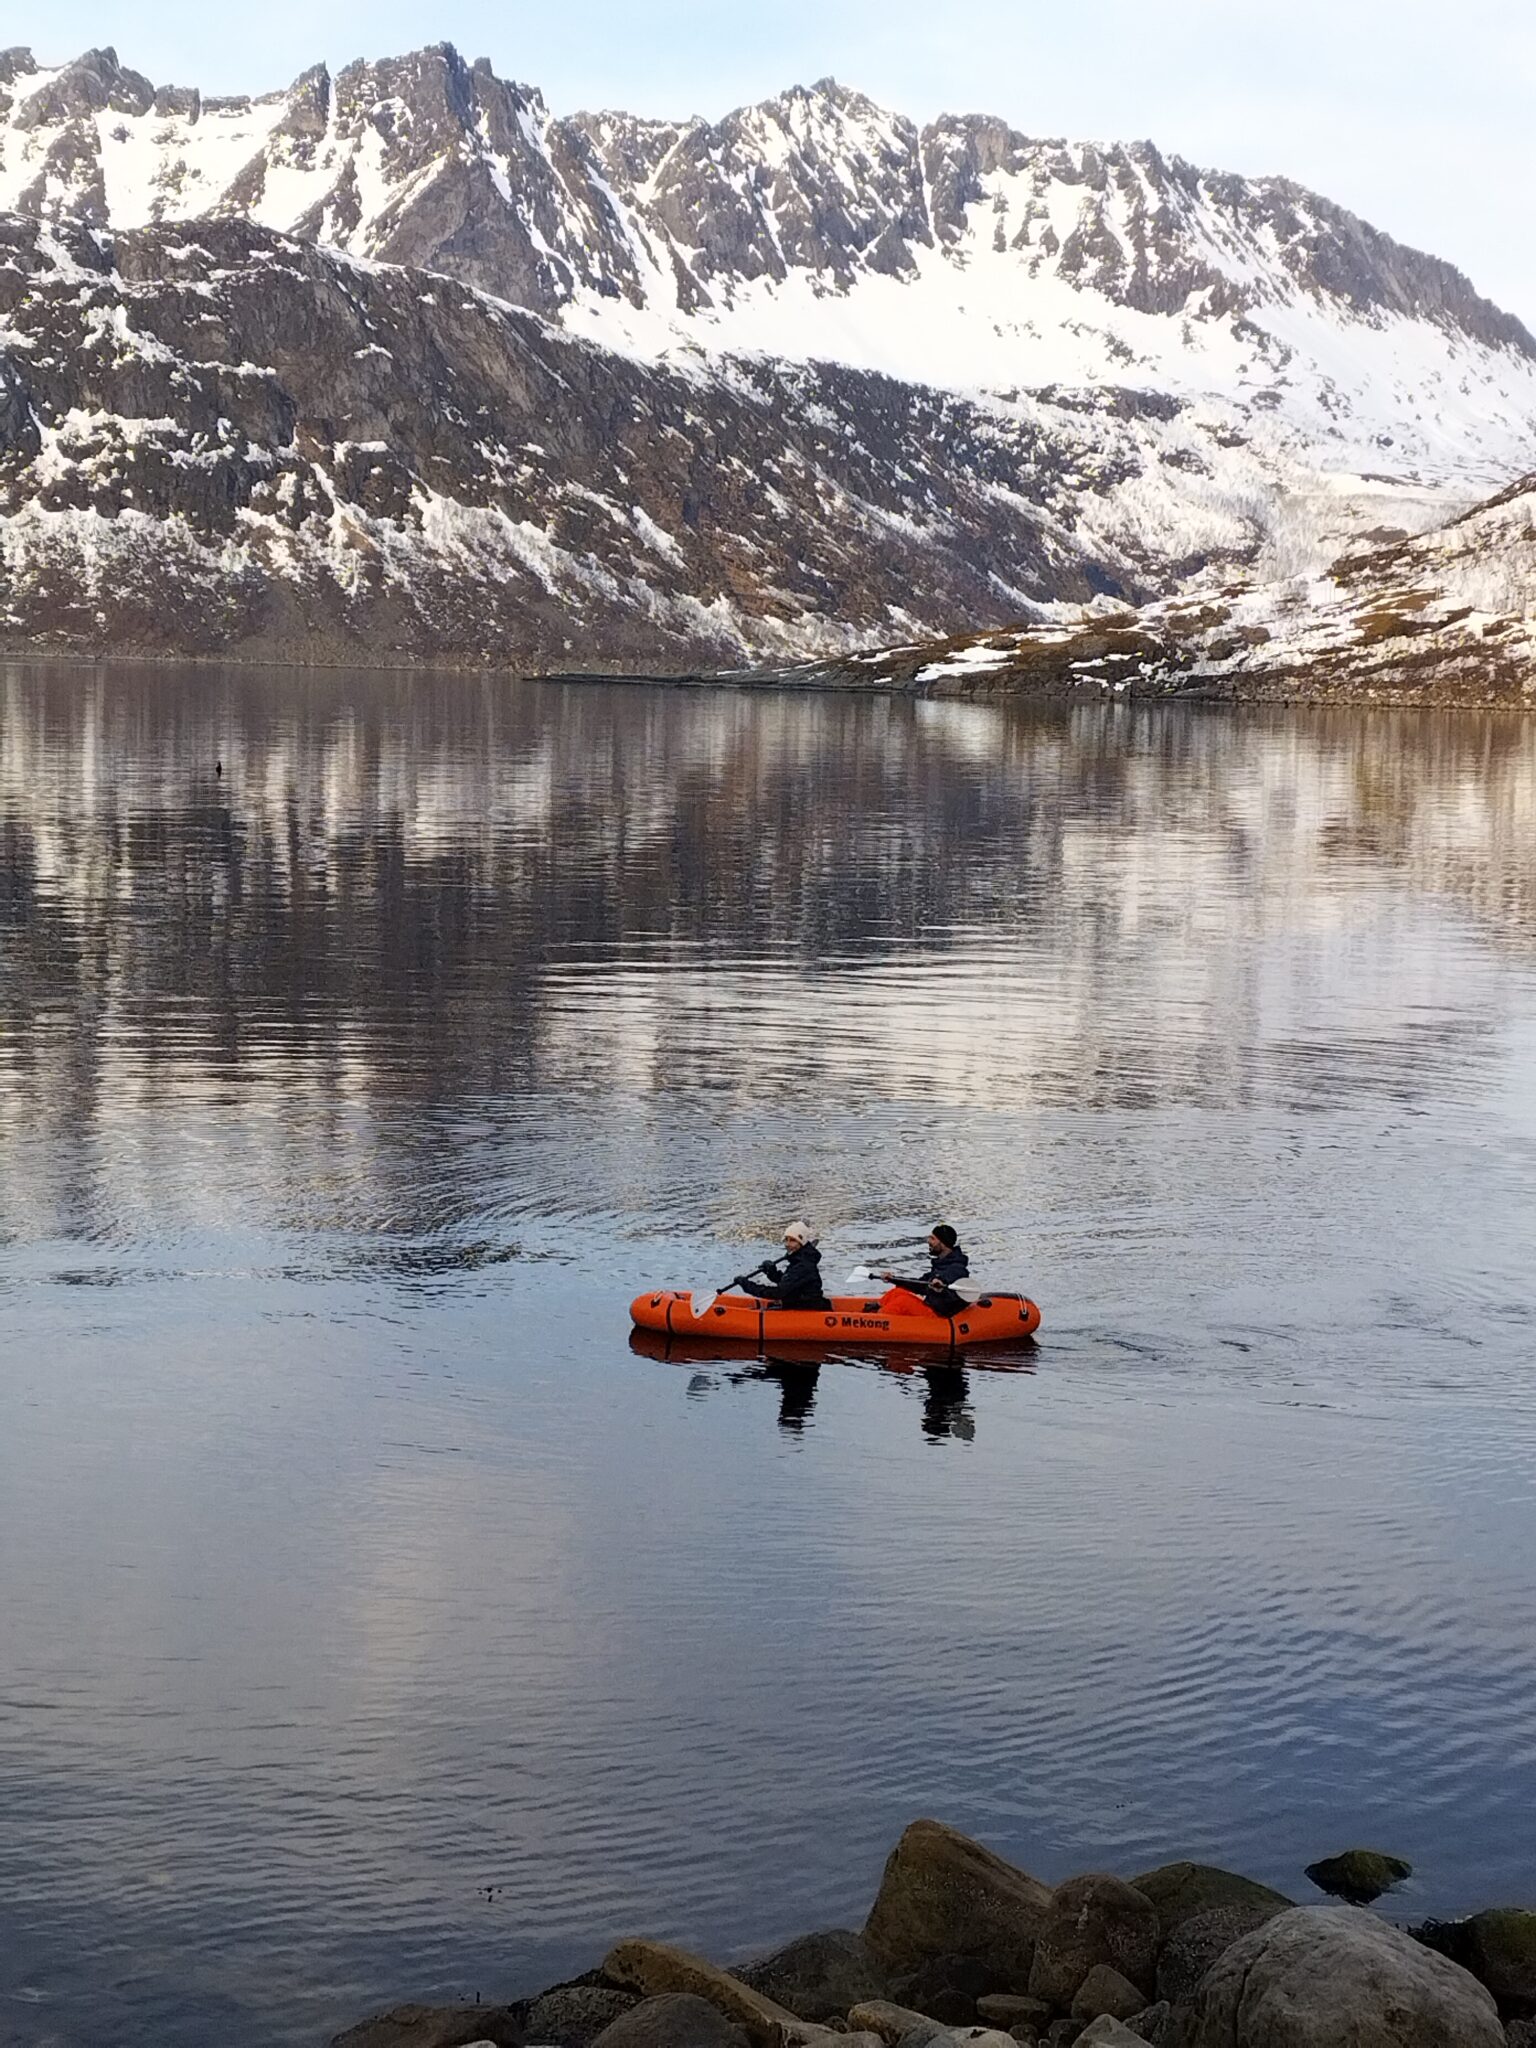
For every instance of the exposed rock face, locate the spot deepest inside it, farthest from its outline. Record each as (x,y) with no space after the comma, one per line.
(1092,1920)
(1337,1977)
(819,1976)
(943,1894)
(424,158)
(245,444)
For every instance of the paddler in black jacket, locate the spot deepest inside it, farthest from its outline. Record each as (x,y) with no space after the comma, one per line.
(795,1280)
(946,1264)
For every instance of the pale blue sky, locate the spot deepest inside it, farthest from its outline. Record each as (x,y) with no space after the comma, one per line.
(1416,113)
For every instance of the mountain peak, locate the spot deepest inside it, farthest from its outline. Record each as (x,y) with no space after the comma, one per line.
(819,225)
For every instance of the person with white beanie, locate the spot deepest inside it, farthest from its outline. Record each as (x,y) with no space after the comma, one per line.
(795,1280)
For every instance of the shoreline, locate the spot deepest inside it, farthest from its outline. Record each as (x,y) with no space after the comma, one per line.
(897,676)
(961,1946)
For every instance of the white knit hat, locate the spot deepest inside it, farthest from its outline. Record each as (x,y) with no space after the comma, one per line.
(801,1232)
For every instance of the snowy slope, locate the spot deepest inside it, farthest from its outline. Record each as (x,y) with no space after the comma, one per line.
(1447,617)
(216,437)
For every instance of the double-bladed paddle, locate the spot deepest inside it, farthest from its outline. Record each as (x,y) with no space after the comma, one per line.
(701,1303)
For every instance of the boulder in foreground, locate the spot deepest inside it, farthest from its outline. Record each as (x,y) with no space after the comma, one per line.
(1092,1920)
(820,1976)
(1195,1943)
(943,1894)
(655,1969)
(1499,1948)
(1180,1890)
(1105,1992)
(573,2015)
(678,2020)
(435,2026)
(1337,1977)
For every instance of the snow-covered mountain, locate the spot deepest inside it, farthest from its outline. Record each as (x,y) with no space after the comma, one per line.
(1157,373)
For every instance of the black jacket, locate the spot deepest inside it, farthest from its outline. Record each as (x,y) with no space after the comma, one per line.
(937,1285)
(793,1282)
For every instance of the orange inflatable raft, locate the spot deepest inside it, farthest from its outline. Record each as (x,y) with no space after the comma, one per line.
(894,1317)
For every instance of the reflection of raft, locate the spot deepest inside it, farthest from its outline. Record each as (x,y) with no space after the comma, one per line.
(894,1317)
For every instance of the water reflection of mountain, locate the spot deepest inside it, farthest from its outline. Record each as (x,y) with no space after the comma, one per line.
(414,892)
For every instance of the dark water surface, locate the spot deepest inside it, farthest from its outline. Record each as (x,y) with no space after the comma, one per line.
(375,1621)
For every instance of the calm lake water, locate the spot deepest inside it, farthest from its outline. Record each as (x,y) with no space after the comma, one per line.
(375,1621)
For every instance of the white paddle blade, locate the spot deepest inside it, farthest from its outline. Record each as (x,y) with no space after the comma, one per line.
(860,1277)
(973,1290)
(701,1301)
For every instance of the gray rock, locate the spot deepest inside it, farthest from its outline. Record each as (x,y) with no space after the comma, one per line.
(948,1987)
(435,2026)
(1179,1891)
(923,2035)
(819,1976)
(1337,1977)
(573,2015)
(1195,1943)
(943,1894)
(1007,2009)
(1359,1875)
(893,2023)
(1094,1919)
(1104,1991)
(1154,2024)
(657,1969)
(1062,2033)
(1108,2032)
(675,2020)
(1520,2034)
(1504,1958)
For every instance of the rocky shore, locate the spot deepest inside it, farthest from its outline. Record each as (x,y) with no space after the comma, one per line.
(1446,618)
(961,1946)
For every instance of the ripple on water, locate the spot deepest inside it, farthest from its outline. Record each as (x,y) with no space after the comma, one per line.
(381,1622)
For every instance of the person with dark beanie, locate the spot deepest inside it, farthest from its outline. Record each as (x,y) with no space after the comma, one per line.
(947,1263)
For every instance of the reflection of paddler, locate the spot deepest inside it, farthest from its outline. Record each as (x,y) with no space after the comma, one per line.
(947,1263)
(944,1409)
(797,1390)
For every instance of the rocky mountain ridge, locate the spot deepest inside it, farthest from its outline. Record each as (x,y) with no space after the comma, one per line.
(397,364)
(817,225)
(248,443)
